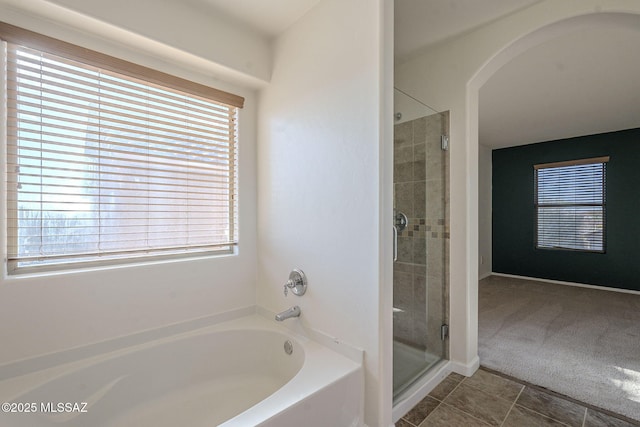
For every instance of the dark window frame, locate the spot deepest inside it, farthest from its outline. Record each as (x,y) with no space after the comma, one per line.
(572,243)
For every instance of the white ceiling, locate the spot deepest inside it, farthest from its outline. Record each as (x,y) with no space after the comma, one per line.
(581,83)
(577,84)
(420,23)
(267,17)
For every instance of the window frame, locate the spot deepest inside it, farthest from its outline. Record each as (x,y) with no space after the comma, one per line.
(586,161)
(18,36)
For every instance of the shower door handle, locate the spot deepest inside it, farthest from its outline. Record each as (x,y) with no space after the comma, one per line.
(400,223)
(395,243)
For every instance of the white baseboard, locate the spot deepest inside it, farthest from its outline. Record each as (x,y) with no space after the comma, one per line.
(485,275)
(560,282)
(467,369)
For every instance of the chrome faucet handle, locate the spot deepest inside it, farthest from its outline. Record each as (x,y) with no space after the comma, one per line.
(297,283)
(288,285)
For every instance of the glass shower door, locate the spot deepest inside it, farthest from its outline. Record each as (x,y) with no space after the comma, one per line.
(420,274)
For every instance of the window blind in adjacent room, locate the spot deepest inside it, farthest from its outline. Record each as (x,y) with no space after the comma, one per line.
(570,201)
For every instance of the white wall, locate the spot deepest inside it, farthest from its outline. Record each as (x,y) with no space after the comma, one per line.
(319,179)
(484,211)
(41,314)
(450,75)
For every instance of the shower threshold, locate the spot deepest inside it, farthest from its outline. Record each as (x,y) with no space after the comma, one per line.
(409,365)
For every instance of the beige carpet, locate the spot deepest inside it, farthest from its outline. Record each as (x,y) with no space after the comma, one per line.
(582,343)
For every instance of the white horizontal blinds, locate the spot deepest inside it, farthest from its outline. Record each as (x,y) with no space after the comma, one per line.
(106,165)
(570,205)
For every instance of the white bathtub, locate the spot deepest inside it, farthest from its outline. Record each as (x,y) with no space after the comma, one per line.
(233,374)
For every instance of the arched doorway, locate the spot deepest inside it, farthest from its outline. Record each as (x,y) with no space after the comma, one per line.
(521,46)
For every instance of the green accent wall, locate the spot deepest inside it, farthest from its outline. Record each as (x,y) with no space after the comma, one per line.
(513,220)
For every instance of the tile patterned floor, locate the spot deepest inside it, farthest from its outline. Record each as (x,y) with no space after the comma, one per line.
(487,399)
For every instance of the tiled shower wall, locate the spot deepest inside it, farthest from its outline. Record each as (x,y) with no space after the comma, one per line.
(421,273)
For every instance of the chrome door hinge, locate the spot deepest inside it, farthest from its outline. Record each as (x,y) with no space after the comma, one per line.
(444,142)
(444,332)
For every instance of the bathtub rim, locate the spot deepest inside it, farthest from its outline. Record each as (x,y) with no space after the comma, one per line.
(46,368)
(41,362)
(298,327)
(31,364)
(321,368)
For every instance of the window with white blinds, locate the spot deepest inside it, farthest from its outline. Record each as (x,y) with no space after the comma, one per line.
(570,202)
(103,166)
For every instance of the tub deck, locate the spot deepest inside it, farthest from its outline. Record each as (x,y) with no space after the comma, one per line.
(234,374)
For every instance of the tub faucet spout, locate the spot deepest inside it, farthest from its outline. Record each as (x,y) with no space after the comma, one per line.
(288,313)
